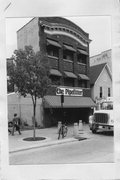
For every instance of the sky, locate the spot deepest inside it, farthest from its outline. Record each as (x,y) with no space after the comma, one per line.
(98,28)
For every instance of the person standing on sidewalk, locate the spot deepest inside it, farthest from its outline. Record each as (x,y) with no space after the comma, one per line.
(16,124)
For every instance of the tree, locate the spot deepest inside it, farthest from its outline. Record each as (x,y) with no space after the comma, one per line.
(10,86)
(30,73)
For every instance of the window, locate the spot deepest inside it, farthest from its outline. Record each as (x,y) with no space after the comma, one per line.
(81,58)
(68,55)
(108,92)
(100,92)
(82,83)
(55,80)
(53,51)
(69,82)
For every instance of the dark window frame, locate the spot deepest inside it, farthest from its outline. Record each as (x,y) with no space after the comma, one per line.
(52,51)
(81,58)
(109,92)
(82,83)
(68,55)
(101,91)
(70,82)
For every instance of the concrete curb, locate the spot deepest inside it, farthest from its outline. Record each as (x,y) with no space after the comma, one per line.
(46,144)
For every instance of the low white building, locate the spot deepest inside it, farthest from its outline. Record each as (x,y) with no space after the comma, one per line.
(100,82)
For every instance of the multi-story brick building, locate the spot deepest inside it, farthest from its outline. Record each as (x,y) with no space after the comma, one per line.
(67,48)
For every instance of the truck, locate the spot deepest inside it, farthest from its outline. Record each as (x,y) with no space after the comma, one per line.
(102,119)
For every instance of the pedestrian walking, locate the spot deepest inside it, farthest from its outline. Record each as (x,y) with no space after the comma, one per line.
(16,124)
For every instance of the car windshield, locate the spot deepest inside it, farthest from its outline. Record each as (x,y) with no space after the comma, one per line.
(107,105)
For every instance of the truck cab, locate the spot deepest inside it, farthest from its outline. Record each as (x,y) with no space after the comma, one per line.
(103,117)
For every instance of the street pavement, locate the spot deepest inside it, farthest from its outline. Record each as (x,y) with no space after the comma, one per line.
(16,142)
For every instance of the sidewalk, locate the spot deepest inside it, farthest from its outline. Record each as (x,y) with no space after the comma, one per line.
(16,142)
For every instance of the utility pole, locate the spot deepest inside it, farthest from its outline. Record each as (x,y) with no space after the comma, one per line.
(62,101)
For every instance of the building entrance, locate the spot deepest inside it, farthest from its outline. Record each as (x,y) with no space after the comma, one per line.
(65,115)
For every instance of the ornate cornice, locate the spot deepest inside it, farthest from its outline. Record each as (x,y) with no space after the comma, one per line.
(57,28)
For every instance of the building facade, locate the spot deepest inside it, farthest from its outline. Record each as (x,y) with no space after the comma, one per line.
(101,75)
(66,47)
(101,82)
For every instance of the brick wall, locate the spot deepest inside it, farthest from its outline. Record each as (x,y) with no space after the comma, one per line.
(81,69)
(33,34)
(53,62)
(64,65)
(68,66)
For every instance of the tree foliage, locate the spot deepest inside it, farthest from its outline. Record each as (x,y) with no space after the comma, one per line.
(30,74)
(10,86)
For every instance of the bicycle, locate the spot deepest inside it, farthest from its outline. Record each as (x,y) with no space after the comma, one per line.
(63,131)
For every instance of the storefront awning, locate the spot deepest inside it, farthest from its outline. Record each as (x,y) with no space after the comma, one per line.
(70,74)
(70,48)
(82,52)
(55,72)
(83,76)
(69,102)
(53,43)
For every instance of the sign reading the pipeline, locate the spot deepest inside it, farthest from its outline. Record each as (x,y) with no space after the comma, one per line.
(69,91)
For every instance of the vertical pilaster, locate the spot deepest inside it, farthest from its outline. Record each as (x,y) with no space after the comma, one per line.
(42,40)
(75,71)
(60,63)
(88,67)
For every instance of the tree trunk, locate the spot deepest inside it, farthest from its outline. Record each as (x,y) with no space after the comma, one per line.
(34,119)
(41,114)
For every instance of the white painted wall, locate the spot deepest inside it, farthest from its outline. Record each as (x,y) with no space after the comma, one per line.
(29,35)
(24,108)
(103,81)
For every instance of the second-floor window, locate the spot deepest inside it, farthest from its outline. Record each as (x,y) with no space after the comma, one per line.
(55,80)
(82,83)
(69,82)
(81,58)
(68,55)
(53,51)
